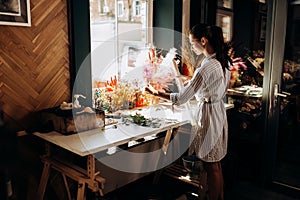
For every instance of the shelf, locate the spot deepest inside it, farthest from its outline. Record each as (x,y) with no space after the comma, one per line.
(178,172)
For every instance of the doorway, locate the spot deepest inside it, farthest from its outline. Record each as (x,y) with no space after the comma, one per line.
(281,161)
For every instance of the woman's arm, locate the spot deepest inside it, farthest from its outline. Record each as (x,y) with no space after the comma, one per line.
(187,92)
(163,95)
(155,92)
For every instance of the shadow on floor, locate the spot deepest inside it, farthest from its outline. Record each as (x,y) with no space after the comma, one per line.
(171,189)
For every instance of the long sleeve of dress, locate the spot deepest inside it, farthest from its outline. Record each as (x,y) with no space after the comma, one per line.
(189,90)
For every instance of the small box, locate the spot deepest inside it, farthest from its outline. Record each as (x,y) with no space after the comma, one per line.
(100,115)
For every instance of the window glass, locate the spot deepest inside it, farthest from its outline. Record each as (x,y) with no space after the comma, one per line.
(118,31)
(120,8)
(224,19)
(137,8)
(225,4)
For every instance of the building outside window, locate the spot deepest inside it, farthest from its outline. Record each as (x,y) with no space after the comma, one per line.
(124,26)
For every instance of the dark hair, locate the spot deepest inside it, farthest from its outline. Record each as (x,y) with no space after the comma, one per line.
(214,35)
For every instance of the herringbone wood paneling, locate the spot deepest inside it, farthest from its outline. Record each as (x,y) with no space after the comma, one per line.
(34,61)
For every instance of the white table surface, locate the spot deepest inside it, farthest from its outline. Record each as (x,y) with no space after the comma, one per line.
(96,140)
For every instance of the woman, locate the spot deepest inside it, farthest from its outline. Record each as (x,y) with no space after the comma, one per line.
(208,84)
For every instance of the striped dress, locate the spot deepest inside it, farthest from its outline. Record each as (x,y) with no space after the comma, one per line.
(208,85)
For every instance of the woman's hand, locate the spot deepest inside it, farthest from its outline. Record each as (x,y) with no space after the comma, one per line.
(151,89)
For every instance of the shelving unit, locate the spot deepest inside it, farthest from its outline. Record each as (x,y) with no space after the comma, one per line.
(178,172)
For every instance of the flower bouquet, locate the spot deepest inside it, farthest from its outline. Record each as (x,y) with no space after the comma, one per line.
(158,70)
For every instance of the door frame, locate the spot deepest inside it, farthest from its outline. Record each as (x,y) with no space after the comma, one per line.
(274,55)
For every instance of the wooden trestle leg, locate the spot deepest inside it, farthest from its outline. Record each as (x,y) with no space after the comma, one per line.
(84,178)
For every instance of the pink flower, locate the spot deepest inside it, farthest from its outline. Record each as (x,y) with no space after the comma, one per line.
(238,63)
(148,72)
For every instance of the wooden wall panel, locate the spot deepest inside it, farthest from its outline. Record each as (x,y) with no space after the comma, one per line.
(34,61)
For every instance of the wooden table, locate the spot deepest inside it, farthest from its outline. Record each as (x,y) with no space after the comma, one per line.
(87,143)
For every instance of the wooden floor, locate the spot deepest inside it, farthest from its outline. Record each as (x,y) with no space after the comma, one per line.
(167,188)
(239,184)
(171,189)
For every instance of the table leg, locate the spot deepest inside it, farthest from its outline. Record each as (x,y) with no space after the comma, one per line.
(91,167)
(81,190)
(66,186)
(169,133)
(167,139)
(92,174)
(44,180)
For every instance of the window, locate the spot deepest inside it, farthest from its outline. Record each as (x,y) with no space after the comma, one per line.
(225,4)
(224,18)
(225,21)
(137,8)
(120,8)
(115,34)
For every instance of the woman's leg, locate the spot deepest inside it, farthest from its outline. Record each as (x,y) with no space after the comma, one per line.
(214,180)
